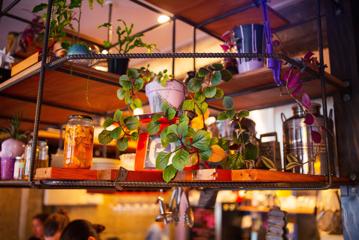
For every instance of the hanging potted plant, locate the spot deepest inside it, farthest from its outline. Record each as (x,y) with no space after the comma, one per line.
(126,42)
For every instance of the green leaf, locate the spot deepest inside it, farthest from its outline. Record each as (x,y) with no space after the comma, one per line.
(216,78)
(201,108)
(210,92)
(169,173)
(108,122)
(202,72)
(122,144)
(162,160)
(267,162)
(105,137)
(172,129)
(199,97)
(292,158)
(125,82)
(194,85)
(188,105)
(228,102)
(217,66)
(182,129)
(222,116)
(226,75)
(153,127)
(134,136)
(170,113)
(243,113)
(121,93)
(139,83)
(251,152)
(230,113)
(214,141)
(180,159)
(204,155)
(133,73)
(201,140)
(115,133)
(164,138)
(219,93)
(39,7)
(131,122)
(156,117)
(137,103)
(117,115)
(184,119)
(292,165)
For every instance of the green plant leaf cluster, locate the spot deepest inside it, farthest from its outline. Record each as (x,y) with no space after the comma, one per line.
(126,129)
(63,15)
(126,40)
(13,131)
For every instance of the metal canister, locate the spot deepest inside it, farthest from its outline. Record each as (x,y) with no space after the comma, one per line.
(297,141)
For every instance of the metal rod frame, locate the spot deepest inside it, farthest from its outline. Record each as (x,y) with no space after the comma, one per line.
(40,89)
(8,8)
(117,185)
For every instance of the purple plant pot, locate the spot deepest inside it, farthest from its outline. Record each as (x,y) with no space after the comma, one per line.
(7,168)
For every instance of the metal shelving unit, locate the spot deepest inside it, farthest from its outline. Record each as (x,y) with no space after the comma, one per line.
(119,185)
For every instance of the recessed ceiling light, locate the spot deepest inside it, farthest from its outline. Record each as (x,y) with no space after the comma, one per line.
(163,19)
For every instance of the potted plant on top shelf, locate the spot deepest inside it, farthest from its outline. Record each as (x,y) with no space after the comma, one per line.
(126,42)
(63,15)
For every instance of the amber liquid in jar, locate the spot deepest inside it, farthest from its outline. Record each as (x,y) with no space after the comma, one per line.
(78,144)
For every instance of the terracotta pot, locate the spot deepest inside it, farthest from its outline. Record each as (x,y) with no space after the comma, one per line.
(173,93)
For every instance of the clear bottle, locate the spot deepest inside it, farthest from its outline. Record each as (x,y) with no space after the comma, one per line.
(78,144)
(43,160)
(19,168)
(27,156)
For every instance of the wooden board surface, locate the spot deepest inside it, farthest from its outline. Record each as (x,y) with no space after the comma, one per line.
(198,11)
(203,175)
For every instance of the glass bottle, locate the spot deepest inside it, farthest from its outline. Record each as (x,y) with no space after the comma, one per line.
(43,159)
(19,168)
(78,144)
(27,156)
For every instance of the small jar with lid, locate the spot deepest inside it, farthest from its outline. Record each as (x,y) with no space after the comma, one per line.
(78,144)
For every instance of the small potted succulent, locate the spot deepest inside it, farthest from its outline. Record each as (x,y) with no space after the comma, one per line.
(13,144)
(126,42)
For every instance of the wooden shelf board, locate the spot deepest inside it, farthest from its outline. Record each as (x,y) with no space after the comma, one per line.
(197,11)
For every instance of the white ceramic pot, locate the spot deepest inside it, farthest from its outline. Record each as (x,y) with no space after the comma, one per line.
(173,93)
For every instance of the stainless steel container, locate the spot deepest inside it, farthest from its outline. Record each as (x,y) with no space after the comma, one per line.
(297,141)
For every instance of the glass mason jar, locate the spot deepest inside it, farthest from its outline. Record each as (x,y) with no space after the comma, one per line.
(78,144)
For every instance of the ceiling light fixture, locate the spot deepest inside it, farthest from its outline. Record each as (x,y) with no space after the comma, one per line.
(163,19)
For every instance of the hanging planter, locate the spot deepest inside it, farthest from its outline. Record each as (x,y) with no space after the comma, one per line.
(249,39)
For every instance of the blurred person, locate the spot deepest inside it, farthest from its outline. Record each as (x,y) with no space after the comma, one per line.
(55,224)
(82,230)
(38,222)
(157,231)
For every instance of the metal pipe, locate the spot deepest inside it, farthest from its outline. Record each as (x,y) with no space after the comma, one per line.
(173,45)
(40,89)
(9,7)
(324,93)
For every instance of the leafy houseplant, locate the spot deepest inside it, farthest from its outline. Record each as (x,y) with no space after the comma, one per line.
(63,16)
(126,42)
(188,131)
(13,145)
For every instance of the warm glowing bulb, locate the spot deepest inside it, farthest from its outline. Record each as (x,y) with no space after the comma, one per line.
(104,51)
(163,19)
(137,111)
